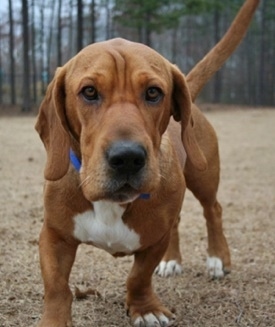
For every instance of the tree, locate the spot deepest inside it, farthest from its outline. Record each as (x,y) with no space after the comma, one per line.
(41,48)
(59,34)
(181,30)
(50,40)
(26,106)
(79,25)
(12,61)
(93,21)
(33,45)
(1,70)
(146,16)
(262,65)
(217,84)
(71,25)
(109,29)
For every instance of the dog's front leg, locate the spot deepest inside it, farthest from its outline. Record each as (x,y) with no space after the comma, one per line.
(144,307)
(56,259)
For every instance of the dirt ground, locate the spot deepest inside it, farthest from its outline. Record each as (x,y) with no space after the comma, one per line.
(246,297)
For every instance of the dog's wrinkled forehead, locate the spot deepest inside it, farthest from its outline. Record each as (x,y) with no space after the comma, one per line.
(118,56)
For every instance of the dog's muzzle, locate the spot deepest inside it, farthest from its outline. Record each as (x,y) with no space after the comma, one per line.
(126,161)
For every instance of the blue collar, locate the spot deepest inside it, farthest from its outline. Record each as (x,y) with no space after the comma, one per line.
(77,165)
(74,160)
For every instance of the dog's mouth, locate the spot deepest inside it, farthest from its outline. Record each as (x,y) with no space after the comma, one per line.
(124,194)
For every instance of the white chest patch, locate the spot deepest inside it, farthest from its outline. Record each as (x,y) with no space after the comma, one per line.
(105,228)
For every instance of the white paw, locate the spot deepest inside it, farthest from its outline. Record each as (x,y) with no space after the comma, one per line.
(168,268)
(215,267)
(152,320)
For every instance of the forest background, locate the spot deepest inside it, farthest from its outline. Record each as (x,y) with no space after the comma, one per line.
(36,36)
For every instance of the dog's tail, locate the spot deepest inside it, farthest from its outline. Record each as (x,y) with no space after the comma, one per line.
(216,57)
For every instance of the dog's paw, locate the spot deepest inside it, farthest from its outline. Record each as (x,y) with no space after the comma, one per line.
(215,267)
(168,268)
(153,320)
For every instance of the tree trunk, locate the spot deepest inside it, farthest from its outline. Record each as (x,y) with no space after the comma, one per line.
(262,65)
(71,34)
(249,86)
(12,61)
(93,21)
(49,50)
(1,74)
(174,44)
(218,76)
(43,72)
(147,29)
(34,70)
(59,34)
(26,106)
(272,65)
(79,25)
(108,20)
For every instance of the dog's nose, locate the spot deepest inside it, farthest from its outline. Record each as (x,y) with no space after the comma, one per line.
(126,157)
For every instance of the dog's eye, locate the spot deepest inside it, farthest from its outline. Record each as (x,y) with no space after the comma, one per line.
(90,93)
(153,94)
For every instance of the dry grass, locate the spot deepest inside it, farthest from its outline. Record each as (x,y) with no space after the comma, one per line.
(246,297)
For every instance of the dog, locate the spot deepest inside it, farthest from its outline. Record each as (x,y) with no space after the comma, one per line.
(123,141)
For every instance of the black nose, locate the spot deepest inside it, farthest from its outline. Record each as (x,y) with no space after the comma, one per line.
(126,157)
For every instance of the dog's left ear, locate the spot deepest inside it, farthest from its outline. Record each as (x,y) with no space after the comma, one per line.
(181,111)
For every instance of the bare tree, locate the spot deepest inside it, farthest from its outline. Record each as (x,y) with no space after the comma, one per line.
(1,68)
(109,32)
(217,83)
(41,48)
(33,45)
(71,43)
(183,31)
(49,41)
(262,66)
(93,20)
(79,25)
(26,106)
(59,34)
(12,61)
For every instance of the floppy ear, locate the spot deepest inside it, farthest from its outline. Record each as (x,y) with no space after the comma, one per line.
(182,112)
(52,127)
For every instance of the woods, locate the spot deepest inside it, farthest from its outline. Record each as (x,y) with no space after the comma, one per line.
(37,36)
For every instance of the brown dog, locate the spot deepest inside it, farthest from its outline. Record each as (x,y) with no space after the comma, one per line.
(111,106)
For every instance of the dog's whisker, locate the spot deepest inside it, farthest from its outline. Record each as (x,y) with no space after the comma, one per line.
(162,176)
(85,181)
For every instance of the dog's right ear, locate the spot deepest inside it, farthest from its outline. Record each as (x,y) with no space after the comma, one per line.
(182,112)
(52,127)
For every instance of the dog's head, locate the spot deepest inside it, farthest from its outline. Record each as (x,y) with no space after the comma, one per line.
(114,101)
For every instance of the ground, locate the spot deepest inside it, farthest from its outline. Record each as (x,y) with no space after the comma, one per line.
(246,297)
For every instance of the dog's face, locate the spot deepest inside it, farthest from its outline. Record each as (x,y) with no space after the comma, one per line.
(114,99)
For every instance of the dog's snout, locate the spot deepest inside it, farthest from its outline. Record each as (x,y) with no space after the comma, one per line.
(126,157)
